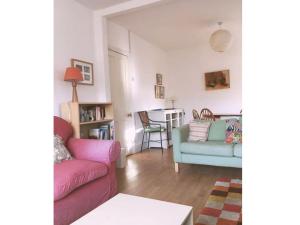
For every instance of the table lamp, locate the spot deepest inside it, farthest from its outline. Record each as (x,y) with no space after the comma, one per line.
(73,74)
(171,99)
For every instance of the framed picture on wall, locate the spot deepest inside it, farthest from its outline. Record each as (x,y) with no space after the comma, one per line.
(217,80)
(162,92)
(86,69)
(159,79)
(159,91)
(156,91)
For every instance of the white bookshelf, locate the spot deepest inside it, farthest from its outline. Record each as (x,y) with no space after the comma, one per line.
(174,117)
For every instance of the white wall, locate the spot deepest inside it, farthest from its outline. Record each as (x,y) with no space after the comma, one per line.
(145,60)
(118,38)
(74,38)
(186,69)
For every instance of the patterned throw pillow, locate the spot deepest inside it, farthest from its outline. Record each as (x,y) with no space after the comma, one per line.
(233,131)
(60,151)
(199,130)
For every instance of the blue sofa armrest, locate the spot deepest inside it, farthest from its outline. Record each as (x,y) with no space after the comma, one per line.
(179,135)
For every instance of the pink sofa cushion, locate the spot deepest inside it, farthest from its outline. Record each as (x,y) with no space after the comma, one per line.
(71,174)
(62,128)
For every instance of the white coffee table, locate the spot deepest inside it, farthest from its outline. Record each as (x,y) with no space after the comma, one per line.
(132,210)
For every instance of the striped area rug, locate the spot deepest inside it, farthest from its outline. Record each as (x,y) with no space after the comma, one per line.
(224,205)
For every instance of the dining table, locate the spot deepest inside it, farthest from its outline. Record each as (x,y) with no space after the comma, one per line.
(227,115)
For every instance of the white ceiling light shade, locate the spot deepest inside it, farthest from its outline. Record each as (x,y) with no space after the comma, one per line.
(220,40)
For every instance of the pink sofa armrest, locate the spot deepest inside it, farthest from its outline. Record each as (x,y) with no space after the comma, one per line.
(105,151)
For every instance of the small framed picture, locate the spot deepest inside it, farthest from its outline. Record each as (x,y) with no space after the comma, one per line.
(86,69)
(162,92)
(159,91)
(156,91)
(159,79)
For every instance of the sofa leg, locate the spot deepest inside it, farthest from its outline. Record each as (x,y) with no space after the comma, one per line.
(176,167)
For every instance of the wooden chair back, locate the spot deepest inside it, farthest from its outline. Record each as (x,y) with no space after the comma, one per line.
(144,118)
(195,114)
(206,114)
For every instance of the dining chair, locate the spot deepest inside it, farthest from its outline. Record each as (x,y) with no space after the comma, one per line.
(195,114)
(206,114)
(152,126)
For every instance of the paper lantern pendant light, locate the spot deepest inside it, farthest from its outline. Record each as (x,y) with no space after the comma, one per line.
(220,40)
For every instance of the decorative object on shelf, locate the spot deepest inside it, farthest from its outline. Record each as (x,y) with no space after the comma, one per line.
(220,40)
(74,75)
(159,79)
(84,117)
(217,80)
(92,114)
(159,91)
(172,99)
(94,133)
(86,68)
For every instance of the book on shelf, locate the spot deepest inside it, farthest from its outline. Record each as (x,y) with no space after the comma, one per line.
(104,132)
(102,112)
(112,131)
(98,113)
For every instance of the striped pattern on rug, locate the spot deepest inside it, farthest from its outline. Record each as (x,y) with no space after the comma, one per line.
(224,205)
(198,131)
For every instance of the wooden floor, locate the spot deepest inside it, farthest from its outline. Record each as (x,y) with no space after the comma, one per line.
(149,174)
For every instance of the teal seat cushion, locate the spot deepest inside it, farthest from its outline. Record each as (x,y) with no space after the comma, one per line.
(154,129)
(217,131)
(237,150)
(213,148)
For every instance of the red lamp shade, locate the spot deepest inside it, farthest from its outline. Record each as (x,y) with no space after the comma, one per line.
(73,74)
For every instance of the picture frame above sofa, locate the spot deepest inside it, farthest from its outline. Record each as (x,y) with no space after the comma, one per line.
(217,80)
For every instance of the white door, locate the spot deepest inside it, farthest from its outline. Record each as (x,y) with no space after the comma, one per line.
(121,99)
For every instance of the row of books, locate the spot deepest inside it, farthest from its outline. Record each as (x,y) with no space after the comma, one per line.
(99,112)
(104,132)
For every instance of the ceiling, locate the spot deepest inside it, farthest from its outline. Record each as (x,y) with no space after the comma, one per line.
(100,4)
(180,23)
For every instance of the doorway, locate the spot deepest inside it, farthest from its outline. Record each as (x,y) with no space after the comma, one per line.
(121,98)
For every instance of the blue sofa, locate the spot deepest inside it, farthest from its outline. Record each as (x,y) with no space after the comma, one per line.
(213,152)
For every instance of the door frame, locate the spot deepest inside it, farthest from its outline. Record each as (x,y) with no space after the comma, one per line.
(128,94)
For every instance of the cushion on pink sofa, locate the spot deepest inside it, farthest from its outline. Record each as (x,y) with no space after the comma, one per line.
(71,174)
(62,128)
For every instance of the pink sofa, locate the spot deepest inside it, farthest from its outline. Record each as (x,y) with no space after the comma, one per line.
(86,181)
